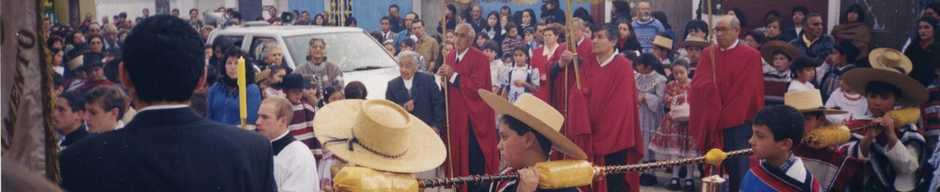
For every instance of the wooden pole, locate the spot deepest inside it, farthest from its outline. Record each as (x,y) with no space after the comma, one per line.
(450,150)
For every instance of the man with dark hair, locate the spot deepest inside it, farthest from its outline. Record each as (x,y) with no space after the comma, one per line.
(152,149)
(553,9)
(175,12)
(146,13)
(425,45)
(194,17)
(395,19)
(813,42)
(385,24)
(272,13)
(409,19)
(104,107)
(723,102)
(466,70)
(793,32)
(94,71)
(69,110)
(611,110)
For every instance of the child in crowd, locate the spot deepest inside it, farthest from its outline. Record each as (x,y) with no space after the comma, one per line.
(276,74)
(491,48)
(847,99)
(390,47)
(651,88)
(803,71)
(672,139)
(521,78)
(512,39)
(834,170)
(895,152)
(777,130)
(931,113)
(776,81)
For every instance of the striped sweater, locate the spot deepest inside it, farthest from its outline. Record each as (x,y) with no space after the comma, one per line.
(301,127)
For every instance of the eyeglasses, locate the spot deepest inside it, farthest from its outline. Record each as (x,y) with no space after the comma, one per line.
(318,47)
(721,29)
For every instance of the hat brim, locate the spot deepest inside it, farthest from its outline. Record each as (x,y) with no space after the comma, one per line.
(425,152)
(767,50)
(875,55)
(559,142)
(824,110)
(914,93)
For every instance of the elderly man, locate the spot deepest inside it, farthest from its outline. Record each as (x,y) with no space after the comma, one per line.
(727,92)
(472,131)
(646,27)
(295,169)
(476,18)
(812,41)
(426,46)
(93,29)
(110,37)
(417,92)
(168,143)
(611,106)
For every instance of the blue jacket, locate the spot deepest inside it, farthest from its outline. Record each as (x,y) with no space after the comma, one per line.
(789,34)
(427,96)
(820,49)
(223,105)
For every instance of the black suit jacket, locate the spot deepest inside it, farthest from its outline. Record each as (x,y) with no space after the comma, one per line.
(170,150)
(74,136)
(429,101)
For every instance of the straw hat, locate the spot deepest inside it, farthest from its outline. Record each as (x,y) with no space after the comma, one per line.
(543,118)
(890,58)
(808,101)
(767,50)
(891,67)
(692,41)
(378,134)
(77,63)
(664,42)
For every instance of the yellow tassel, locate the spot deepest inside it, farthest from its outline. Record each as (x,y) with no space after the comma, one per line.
(715,157)
(827,136)
(366,179)
(904,116)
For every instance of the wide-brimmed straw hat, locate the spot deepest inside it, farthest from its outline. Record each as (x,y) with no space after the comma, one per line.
(808,101)
(692,41)
(889,66)
(378,134)
(767,50)
(664,42)
(890,58)
(543,118)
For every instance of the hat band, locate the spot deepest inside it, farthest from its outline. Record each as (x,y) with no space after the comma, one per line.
(354,140)
(900,69)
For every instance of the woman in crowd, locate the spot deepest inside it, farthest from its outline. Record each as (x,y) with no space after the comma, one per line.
(854,28)
(320,20)
(543,57)
(774,32)
(451,12)
(492,27)
(924,51)
(223,95)
(527,19)
(628,41)
(754,39)
(480,39)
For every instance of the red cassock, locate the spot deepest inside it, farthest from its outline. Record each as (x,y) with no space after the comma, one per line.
(467,108)
(733,97)
(612,111)
(577,126)
(543,64)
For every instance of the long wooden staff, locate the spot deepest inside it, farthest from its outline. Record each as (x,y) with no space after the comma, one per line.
(613,169)
(450,150)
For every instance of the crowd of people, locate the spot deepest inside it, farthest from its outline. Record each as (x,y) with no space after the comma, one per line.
(636,91)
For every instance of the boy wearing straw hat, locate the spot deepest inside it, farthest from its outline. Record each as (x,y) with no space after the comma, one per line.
(693,46)
(780,54)
(662,48)
(835,171)
(894,152)
(777,130)
(528,132)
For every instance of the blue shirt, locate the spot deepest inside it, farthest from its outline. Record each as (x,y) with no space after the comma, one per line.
(223,104)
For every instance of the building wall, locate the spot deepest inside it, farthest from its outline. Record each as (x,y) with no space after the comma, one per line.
(87,6)
(432,9)
(368,13)
(306,5)
(61,8)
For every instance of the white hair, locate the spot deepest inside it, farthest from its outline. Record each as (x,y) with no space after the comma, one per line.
(415,57)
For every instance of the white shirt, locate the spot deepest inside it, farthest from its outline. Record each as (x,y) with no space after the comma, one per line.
(796,86)
(162,107)
(606,62)
(409,83)
(459,58)
(295,168)
(733,45)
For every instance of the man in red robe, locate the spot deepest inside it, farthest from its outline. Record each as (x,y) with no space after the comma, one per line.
(722,102)
(611,107)
(472,130)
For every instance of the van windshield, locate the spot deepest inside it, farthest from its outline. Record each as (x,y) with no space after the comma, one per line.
(350,50)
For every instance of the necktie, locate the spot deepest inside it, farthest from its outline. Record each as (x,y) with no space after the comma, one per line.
(457,61)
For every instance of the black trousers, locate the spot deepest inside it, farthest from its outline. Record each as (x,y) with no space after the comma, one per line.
(616,182)
(476,160)
(736,138)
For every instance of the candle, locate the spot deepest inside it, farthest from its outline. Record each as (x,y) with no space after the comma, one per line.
(242,97)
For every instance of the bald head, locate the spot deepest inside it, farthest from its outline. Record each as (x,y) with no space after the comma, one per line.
(726,30)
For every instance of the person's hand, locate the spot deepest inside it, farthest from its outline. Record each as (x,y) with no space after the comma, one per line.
(544,77)
(445,72)
(519,83)
(829,59)
(875,131)
(565,59)
(680,99)
(528,179)
(641,99)
(410,105)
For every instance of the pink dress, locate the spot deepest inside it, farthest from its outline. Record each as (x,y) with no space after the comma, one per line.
(672,137)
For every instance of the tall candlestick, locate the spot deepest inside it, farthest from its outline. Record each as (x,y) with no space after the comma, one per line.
(242,97)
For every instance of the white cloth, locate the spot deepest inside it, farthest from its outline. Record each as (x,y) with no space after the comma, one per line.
(855,104)
(495,68)
(408,83)
(797,86)
(653,87)
(609,59)
(526,74)
(295,169)
(733,45)
(162,107)
(904,161)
